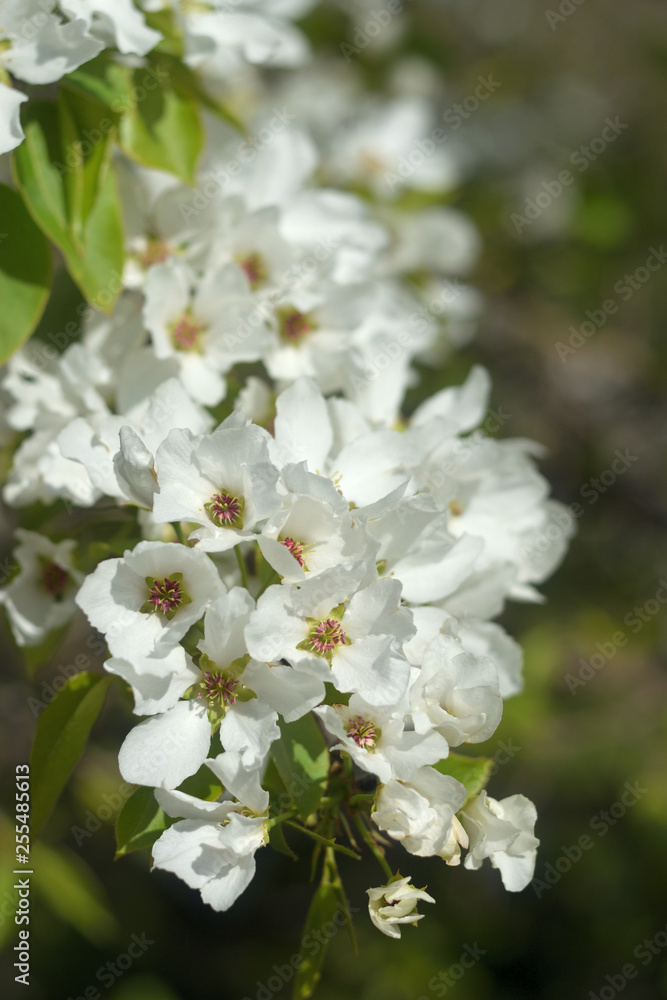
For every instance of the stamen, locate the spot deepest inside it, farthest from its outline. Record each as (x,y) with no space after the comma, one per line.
(362,731)
(226,509)
(296,548)
(294,325)
(186,332)
(166,595)
(54,579)
(254,268)
(326,635)
(217,687)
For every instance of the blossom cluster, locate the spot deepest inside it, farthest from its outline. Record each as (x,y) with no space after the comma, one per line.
(302,547)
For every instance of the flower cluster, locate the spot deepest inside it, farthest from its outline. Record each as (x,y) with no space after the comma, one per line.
(299,551)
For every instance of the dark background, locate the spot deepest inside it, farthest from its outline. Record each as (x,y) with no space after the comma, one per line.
(573,751)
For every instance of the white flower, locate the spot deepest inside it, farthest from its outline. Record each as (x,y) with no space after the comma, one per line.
(350,644)
(394,904)
(41,597)
(190,326)
(455,693)
(377,741)
(116,23)
(380,148)
(222,481)
(483,639)
(313,532)
(504,832)
(421,814)
(150,597)
(416,547)
(218,41)
(118,450)
(38,47)
(334,438)
(213,848)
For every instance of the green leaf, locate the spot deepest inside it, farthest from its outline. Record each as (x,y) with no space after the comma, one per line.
(473,772)
(189,85)
(203,785)
(278,842)
(163,129)
(322,909)
(68,183)
(302,759)
(103,79)
(140,822)
(73,892)
(25,272)
(62,732)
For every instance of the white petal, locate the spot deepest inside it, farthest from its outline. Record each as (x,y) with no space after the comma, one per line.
(167,749)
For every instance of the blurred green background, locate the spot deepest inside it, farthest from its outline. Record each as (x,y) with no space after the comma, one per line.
(571,749)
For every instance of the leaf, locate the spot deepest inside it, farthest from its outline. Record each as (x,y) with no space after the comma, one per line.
(162,130)
(140,822)
(62,732)
(25,272)
(103,79)
(302,758)
(322,909)
(278,842)
(189,85)
(473,772)
(72,891)
(68,183)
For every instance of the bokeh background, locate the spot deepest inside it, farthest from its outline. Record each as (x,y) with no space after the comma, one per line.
(572,749)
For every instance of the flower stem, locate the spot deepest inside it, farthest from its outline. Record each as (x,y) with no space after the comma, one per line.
(323,840)
(242,566)
(180,534)
(368,838)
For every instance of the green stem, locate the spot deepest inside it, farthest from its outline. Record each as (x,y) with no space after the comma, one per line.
(361,799)
(280,818)
(323,840)
(274,578)
(368,838)
(180,534)
(242,566)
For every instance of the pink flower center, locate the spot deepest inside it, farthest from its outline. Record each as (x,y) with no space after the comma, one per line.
(326,635)
(296,548)
(186,332)
(156,252)
(219,687)
(294,325)
(225,508)
(54,579)
(166,595)
(254,269)
(362,732)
